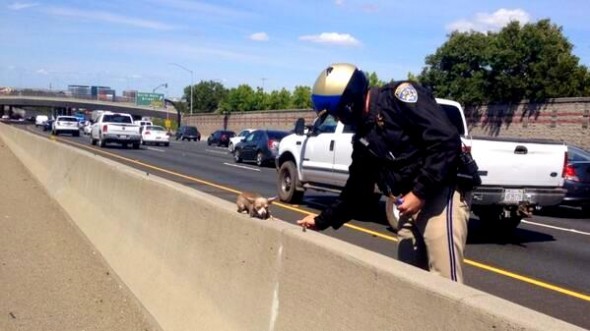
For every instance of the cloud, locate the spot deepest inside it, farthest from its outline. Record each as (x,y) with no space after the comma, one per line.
(259,36)
(109,18)
(484,22)
(22,5)
(339,2)
(332,38)
(42,72)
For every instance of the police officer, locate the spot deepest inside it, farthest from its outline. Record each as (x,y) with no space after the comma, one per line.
(406,145)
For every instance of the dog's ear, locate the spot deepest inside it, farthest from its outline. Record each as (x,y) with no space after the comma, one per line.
(271,199)
(250,199)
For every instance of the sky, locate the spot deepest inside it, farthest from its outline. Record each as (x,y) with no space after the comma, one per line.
(164,45)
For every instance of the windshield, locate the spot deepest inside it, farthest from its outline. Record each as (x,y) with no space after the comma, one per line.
(117,118)
(577,154)
(454,114)
(68,119)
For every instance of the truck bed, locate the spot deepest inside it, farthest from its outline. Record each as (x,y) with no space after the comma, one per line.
(519,162)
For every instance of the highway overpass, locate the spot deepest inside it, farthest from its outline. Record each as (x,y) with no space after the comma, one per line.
(68,104)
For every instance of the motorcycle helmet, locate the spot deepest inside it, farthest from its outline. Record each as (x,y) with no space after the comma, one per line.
(340,90)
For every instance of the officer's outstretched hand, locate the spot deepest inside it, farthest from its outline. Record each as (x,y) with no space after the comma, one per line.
(308,222)
(410,205)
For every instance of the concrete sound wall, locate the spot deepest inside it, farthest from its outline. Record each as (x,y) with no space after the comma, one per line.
(196,264)
(562,119)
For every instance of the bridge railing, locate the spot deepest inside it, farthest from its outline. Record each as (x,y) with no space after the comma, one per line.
(66,94)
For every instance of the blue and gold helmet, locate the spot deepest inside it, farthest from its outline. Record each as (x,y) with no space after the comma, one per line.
(340,90)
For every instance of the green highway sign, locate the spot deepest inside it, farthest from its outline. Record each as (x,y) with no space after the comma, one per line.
(150,99)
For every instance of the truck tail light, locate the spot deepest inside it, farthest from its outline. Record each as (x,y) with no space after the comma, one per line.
(569,173)
(147,133)
(272,144)
(565,165)
(105,128)
(466,149)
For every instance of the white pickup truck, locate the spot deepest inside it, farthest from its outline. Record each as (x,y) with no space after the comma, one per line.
(118,128)
(517,175)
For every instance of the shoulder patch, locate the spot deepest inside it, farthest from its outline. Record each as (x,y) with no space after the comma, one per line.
(406,93)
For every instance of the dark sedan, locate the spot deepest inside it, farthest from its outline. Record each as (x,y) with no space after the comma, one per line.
(577,179)
(188,132)
(260,146)
(220,138)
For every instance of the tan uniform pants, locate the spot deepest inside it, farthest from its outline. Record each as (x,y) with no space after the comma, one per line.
(434,239)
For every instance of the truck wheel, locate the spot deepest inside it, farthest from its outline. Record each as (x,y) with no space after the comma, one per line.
(136,145)
(101,142)
(93,142)
(287,183)
(259,159)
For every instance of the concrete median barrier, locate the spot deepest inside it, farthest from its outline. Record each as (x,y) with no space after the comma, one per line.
(196,264)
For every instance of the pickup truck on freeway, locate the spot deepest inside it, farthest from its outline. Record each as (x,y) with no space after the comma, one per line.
(517,175)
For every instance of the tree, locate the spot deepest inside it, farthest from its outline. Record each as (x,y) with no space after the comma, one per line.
(585,81)
(260,99)
(279,99)
(374,80)
(241,98)
(301,98)
(207,96)
(532,62)
(459,68)
(412,77)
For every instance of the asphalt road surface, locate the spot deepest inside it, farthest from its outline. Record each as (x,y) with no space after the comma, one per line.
(543,265)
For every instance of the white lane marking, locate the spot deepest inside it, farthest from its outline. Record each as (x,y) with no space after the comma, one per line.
(225,152)
(155,149)
(557,228)
(241,167)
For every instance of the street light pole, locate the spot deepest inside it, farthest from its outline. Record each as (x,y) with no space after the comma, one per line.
(191,72)
(164,85)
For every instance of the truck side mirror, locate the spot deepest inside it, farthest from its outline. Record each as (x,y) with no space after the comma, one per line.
(299,126)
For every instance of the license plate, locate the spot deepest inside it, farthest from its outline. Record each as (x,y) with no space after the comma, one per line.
(122,136)
(513,195)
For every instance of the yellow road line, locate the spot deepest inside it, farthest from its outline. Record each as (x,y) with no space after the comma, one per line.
(525,279)
(529,280)
(221,187)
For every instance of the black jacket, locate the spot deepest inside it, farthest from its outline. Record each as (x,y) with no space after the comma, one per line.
(404,143)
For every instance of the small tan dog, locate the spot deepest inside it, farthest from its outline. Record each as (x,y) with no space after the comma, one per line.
(255,204)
